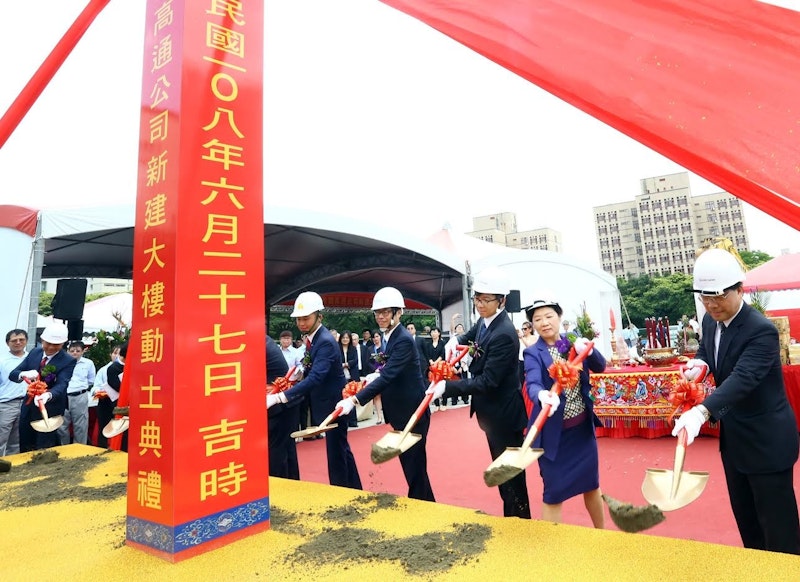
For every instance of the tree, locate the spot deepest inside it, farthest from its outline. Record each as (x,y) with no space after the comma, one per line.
(657,296)
(46,303)
(754,258)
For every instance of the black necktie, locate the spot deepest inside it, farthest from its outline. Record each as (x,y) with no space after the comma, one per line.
(481,332)
(722,328)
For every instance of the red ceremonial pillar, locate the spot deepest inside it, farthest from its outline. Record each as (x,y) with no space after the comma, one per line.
(198,473)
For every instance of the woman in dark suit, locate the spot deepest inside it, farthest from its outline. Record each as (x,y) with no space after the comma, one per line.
(349,366)
(434,351)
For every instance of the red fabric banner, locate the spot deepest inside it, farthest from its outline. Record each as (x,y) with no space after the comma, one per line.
(711,85)
(19,218)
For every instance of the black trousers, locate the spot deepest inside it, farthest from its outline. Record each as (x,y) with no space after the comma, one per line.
(414,462)
(342,470)
(282,447)
(513,492)
(765,508)
(31,439)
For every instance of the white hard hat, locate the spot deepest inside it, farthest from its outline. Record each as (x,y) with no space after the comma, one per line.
(542,303)
(387,297)
(55,333)
(491,280)
(715,270)
(307,303)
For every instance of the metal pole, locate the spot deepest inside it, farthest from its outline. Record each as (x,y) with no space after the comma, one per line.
(36,282)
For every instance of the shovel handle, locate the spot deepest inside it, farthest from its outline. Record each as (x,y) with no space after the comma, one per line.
(682,438)
(331,417)
(582,356)
(426,402)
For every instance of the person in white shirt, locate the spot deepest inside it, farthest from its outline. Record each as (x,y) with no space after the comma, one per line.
(290,353)
(11,393)
(77,412)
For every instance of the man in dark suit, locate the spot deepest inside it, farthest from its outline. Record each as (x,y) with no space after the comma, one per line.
(494,385)
(323,381)
(401,389)
(758,431)
(283,419)
(54,366)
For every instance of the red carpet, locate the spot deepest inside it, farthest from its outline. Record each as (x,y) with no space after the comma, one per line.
(458,455)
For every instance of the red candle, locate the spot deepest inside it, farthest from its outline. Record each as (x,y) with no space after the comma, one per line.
(611,317)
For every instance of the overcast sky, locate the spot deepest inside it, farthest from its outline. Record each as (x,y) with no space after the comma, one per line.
(367,112)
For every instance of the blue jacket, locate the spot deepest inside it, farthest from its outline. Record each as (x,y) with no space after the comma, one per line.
(325,379)
(537,360)
(64,364)
(400,384)
(758,430)
(494,385)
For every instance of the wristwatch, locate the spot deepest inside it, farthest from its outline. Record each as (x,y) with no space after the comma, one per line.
(704,411)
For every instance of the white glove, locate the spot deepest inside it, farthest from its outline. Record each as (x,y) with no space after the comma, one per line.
(297,375)
(347,405)
(29,374)
(41,399)
(272,400)
(580,346)
(371,377)
(547,397)
(695,371)
(437,389)
(691,420)
(450,347)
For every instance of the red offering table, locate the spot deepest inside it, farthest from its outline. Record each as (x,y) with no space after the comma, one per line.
(632,401)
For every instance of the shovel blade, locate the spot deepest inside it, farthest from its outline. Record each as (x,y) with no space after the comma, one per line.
(47,424)
(313,431)
(116,427)
(512,462)
(393,444)
(658,485)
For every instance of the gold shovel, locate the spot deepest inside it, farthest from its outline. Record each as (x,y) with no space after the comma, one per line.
(323,427)
(514,460)
(395,442)
(671,490)
(47,424)
(116,426)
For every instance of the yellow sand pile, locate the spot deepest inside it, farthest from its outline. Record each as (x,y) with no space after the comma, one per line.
(327,533)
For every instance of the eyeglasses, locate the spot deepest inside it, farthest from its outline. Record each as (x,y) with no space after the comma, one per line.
(715,299)
(386,311)
(482,301)
(526,327)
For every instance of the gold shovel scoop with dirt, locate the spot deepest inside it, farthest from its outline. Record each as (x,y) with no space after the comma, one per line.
(514,460)
(395,442)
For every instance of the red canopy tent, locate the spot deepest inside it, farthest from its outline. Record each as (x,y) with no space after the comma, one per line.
(779,274)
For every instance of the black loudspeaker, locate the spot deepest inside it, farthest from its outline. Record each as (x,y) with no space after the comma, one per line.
(69,299)
(512,301)
(75,329)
